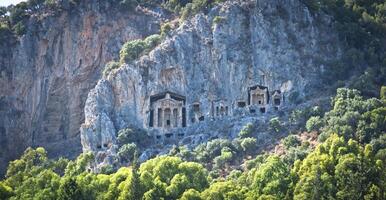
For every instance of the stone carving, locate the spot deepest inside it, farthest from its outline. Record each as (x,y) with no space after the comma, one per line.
(277,99)
(167,111)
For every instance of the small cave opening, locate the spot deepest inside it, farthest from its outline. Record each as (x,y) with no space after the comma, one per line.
(262,110)
(241,104)
(168,135)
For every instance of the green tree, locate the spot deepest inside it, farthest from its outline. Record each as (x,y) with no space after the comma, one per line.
(247,131)
(271,178)
(69,189)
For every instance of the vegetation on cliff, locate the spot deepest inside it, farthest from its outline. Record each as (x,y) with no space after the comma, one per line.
(348,163)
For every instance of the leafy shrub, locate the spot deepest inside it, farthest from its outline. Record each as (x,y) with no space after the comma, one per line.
(291,141)
(134,49)
(275,124)
(127,151)
(247,131)
(383,93)
(248,144)
(314,124)
(226,156)
(5,191)
(165,29)
(127,135)
(109,67)
(19,29)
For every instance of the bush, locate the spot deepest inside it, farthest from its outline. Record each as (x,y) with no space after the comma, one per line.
(291,141)
(248,145)
(127,151)
(165,29)
(314,124)
(275,125)
(127,135)
(109,67)
(383,92)
(19,29)
(134,49)
(246,131)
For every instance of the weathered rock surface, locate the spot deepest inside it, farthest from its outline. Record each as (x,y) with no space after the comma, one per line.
(275,43)
(47,74)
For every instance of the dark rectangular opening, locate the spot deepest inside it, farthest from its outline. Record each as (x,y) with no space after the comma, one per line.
(168,135)
(158,137)
(167,122)
(241,104)
(262,110)
(193,120)
(151,120)
(201,118)
(252,110)
(276,108)
(180,135)
(196,107)
(105,145)
(99,146)
(276,101)
(183,117)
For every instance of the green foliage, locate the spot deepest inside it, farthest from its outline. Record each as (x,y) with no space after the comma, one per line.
(275,125)
(247,131)
(136,136)
(5,191)
(361,25)
(272,178)
(134,49)
(249,145)
(165,29)
(338,169)
(126,152)
(109,67)
(69,189)
(291,141)
(383,93)
(314,123)
(224,190)
(344,166)
(354,117)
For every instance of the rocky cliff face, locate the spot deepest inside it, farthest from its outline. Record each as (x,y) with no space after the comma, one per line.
(47,74)
(214,59)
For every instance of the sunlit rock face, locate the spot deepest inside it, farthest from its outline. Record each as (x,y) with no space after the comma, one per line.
(242,61)
(47,74)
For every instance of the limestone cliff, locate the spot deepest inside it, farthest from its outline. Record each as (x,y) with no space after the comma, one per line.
(47,73)
(213,61)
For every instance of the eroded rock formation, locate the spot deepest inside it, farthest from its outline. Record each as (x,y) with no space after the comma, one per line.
(47,74)
(265,48)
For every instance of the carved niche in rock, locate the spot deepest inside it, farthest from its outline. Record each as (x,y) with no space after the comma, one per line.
(220,108)
(277,99)
(167,110)
(258,95)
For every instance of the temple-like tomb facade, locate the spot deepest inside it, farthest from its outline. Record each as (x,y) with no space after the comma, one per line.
(167,110)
